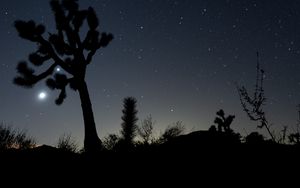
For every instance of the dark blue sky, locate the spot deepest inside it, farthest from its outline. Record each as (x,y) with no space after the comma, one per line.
(180,59)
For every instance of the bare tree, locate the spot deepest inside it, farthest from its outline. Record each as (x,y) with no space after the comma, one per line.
(65,49)
(253,104)
(146,129)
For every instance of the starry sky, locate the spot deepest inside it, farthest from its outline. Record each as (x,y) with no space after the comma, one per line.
(181,60)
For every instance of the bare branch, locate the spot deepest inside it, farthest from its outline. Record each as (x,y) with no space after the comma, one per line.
(104,41)
(90,56)
(47,73)
(28,79)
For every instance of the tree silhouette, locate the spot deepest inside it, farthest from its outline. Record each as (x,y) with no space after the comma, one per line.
(253,105)
(146,130)
(129,127)
(223,122)
(67,50)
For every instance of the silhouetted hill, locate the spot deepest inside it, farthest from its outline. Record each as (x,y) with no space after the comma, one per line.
(198,140)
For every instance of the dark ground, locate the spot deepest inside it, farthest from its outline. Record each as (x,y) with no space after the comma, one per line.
(184,160)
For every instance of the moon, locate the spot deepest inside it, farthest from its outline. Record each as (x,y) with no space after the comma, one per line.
(42,95)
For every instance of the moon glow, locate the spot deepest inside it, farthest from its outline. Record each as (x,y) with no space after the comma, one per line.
(42,96)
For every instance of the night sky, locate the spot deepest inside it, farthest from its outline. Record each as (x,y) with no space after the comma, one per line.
(181,60)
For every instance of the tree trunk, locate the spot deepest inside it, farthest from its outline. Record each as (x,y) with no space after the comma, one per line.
(92,143)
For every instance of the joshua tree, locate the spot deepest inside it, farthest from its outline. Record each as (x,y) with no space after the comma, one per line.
(65,49)
(129,127)
(253,105)
(223,122)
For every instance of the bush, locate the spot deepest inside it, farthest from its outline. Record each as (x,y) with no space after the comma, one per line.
(67,143)
(13,138)
(111,141)
(172,131)
(254,138)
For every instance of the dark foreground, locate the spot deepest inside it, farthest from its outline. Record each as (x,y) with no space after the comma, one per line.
(184,160)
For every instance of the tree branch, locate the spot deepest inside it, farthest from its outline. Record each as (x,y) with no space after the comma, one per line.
(90,56)
(54,56)
(73,36)
(43,75)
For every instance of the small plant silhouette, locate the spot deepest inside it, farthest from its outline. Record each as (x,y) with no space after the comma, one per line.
(65,49)
(294,138)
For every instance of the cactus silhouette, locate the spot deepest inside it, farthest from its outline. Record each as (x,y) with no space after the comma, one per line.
(129,127)
(66,50)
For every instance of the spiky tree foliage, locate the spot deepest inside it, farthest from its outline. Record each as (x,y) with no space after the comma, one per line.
(67,50)
(129,127)
(253,104)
